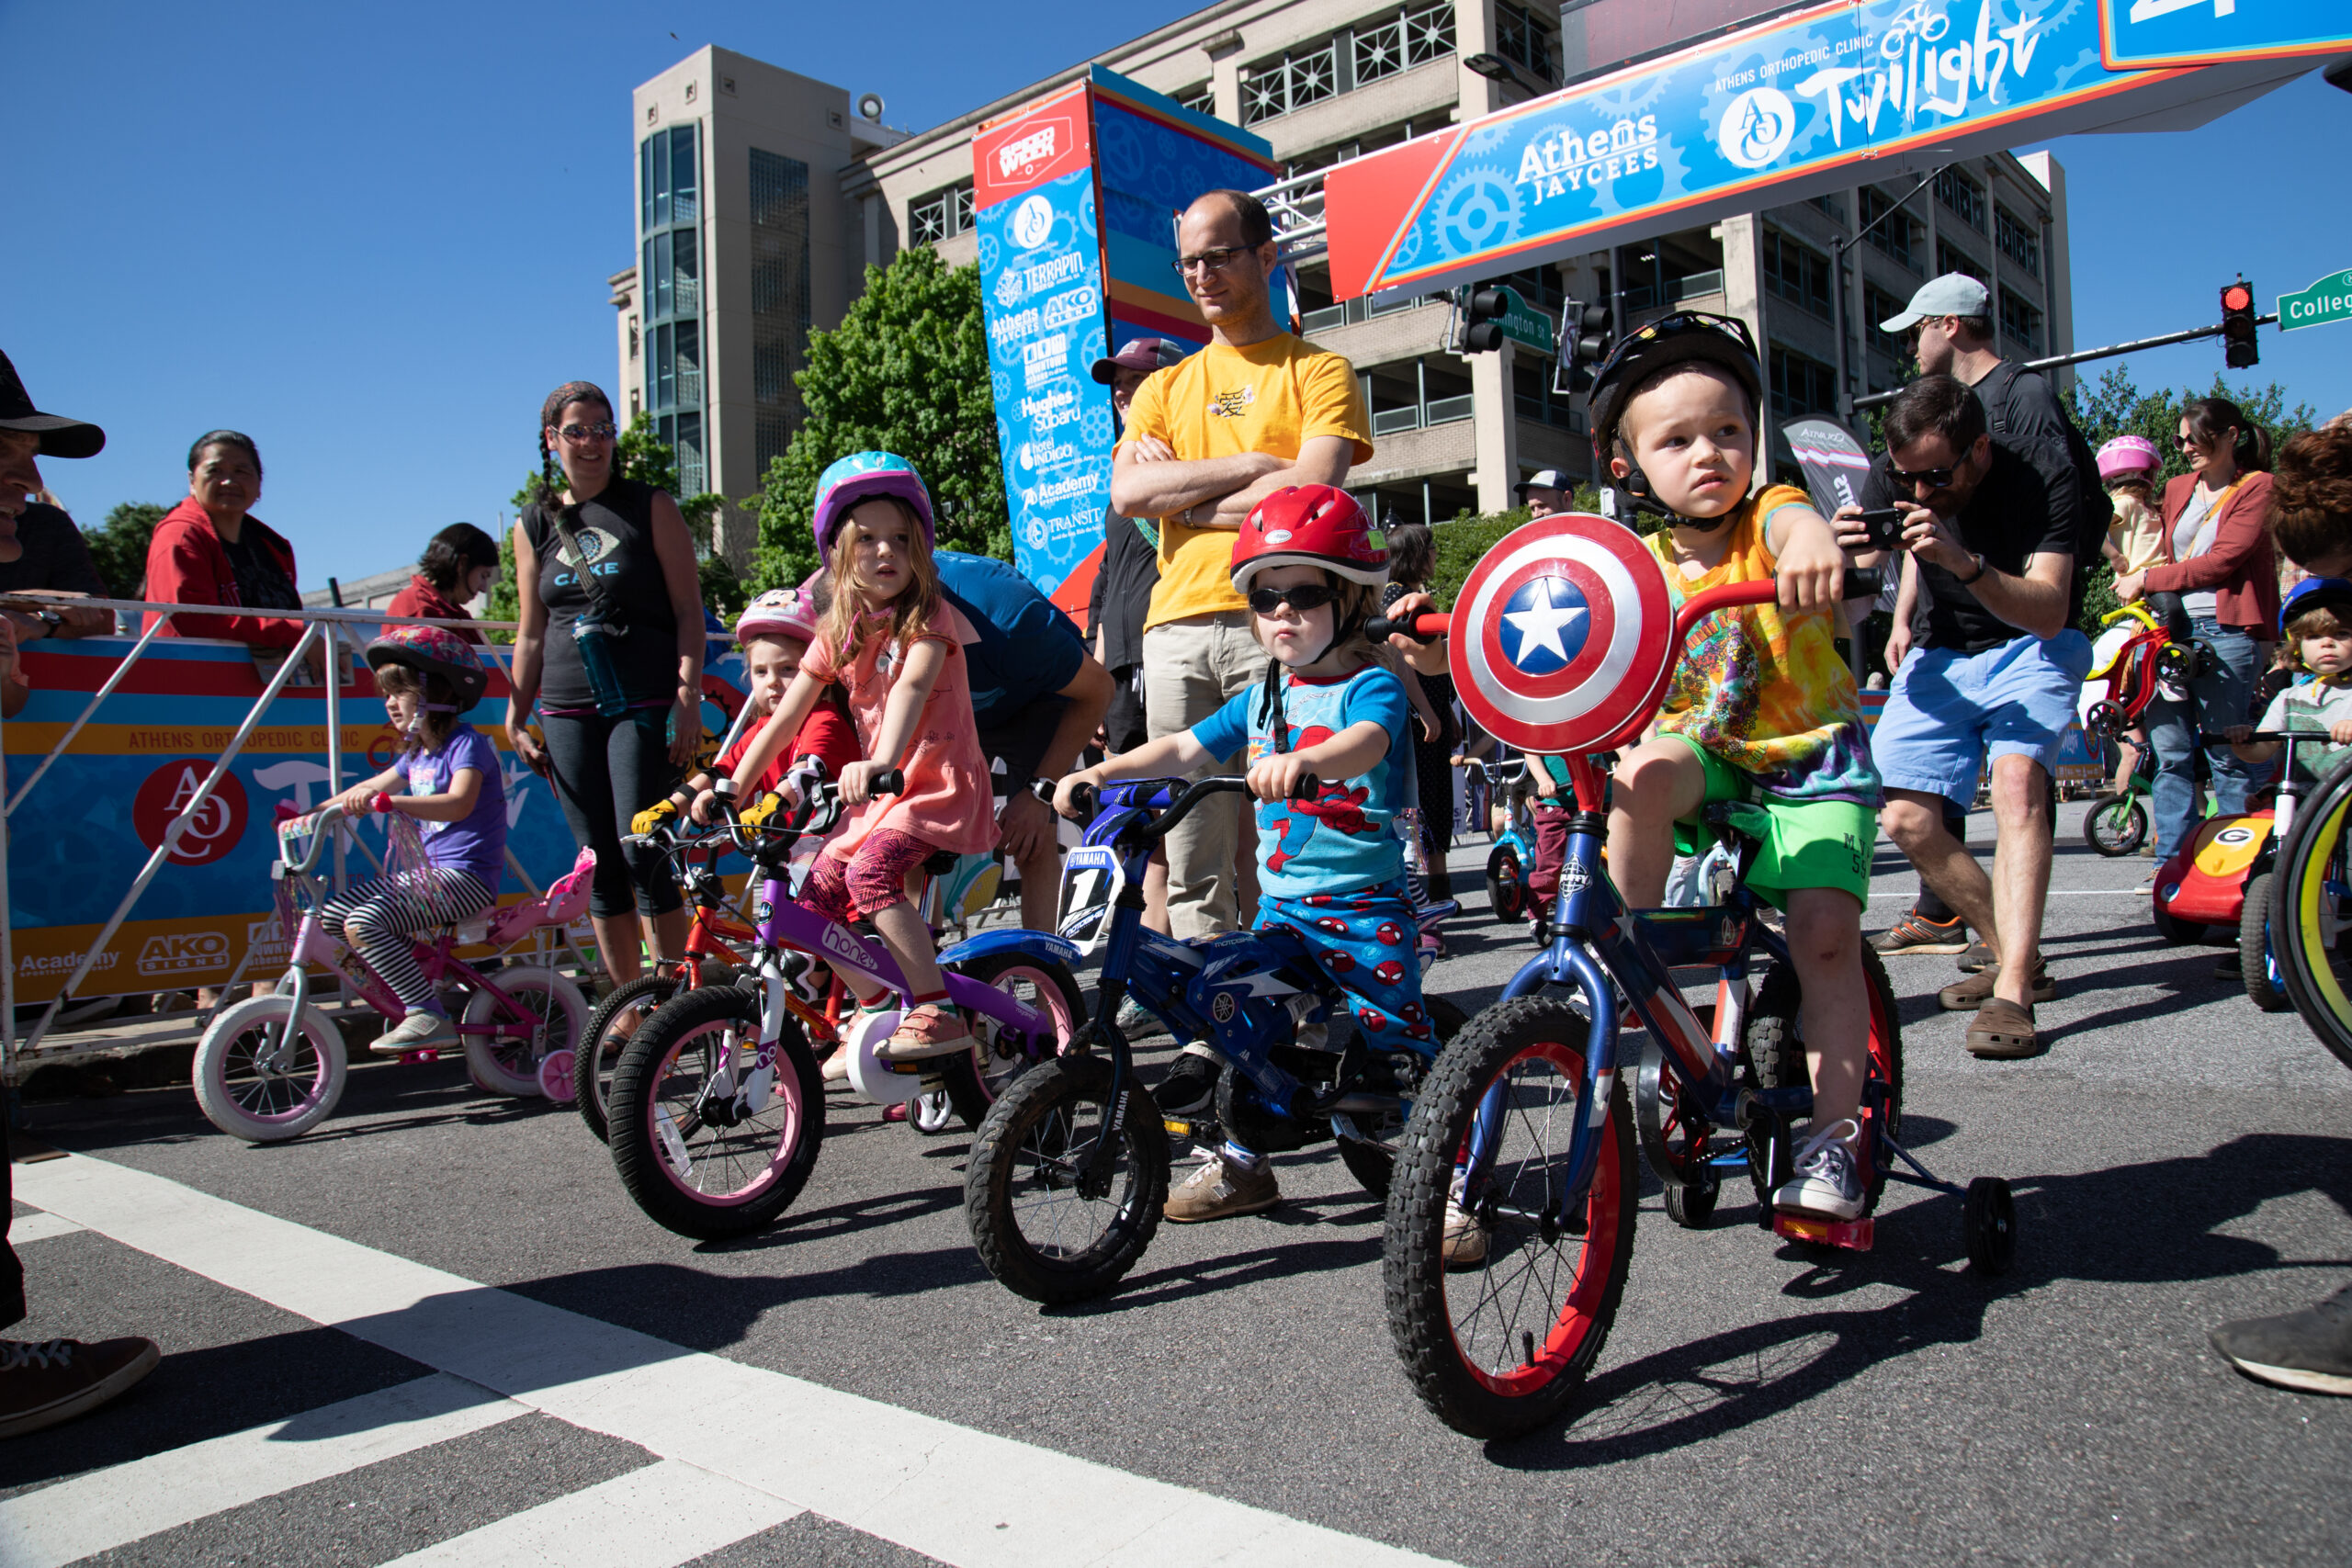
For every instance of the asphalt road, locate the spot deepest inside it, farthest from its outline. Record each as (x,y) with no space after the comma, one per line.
(2178,1158)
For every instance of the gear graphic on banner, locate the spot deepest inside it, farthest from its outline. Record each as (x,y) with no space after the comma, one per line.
(1477,209)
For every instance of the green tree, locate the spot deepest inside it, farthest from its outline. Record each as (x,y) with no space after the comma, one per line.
(119,545)
(645,458)
(1459,544)
(907,371)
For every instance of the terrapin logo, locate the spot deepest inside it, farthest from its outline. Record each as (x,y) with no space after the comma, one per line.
(1756,129)
(841,944)
(1221,1006)
(188,952)
(1228,405)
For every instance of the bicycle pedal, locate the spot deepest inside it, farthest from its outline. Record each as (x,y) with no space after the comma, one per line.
(419,1059)
(1854,1235)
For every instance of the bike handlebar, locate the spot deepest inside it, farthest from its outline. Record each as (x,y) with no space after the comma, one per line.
(316,825)
(1861,582)
(1420,628)
(1084,796)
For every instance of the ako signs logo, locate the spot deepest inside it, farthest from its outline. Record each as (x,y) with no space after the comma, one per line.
(185,953)
(210,832)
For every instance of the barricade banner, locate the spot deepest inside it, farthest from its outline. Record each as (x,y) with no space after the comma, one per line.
(80,836)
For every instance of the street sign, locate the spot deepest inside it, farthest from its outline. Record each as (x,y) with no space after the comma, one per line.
(1787,108)
(1524,324)
(2139,35)
(2329,300)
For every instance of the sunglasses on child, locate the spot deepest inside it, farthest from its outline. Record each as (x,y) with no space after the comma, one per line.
(1302,597)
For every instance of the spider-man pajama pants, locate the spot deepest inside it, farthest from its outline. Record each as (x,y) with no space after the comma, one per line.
(1365,941)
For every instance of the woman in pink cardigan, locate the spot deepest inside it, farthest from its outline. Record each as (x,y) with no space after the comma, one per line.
(2218,556)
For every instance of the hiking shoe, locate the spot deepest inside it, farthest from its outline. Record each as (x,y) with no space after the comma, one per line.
(2003,1032)
(1221,1188)
(1191,1085)
(1966,996)
(1913,934)
(1465,1246)
(422,1029)
(928,1030)
(2309,1351)
(42,1383)
(1977,958)
(1825,1184)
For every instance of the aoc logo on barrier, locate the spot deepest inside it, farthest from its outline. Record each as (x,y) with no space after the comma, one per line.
(215,829)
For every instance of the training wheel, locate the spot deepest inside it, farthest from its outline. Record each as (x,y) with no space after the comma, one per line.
(1991,1224)
(556,1075)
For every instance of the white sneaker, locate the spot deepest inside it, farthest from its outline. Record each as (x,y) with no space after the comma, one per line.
(1464,1243)
(420,1031)
(1826,1183)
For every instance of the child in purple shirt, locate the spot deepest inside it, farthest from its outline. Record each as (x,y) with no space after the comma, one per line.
(452,785)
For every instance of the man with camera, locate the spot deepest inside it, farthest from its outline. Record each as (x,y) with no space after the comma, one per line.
(1993,663)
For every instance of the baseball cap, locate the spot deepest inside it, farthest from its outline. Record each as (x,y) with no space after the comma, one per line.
(60,436)
(1543,478)
(1953,293)
(1144,353)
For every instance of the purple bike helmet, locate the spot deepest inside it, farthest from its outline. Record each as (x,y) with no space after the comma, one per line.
(858,477)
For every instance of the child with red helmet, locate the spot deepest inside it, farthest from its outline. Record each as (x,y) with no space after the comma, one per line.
(448,777)
(773,631)
(1330,869)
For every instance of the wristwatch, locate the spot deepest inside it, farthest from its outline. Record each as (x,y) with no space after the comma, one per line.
(1979,559)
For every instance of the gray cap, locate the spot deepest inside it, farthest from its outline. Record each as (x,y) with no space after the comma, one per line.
(1953,293)
(1543,478)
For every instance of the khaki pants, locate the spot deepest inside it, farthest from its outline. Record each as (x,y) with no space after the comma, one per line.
(1191,668)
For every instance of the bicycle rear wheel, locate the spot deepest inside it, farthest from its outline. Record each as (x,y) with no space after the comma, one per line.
(553,1013)
(2311,926)
(1500,1346)
(978,1081)
(600,1046)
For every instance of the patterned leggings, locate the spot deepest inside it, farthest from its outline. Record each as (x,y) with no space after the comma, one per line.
(379,917)
(1366,942)
(872,879)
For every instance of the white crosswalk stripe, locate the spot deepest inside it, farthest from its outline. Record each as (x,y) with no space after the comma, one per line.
(926,1484)
(124,1503)
(38,1228)
(659,1516)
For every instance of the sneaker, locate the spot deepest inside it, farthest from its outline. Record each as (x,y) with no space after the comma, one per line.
(1221,1188)
(422,1029)
(2309,1351)
(1967,996)
(1191,1085)
(1826,1183)
(1136,1023)
(1914,934)
(43,1384)
(929,1030)
(1464,1244)
(1977,958)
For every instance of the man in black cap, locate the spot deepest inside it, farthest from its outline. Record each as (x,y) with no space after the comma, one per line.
(1114,611)
(40,549)
(1546,493)
(45,1382)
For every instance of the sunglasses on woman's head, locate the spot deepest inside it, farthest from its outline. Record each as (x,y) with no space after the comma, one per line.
(1304,597)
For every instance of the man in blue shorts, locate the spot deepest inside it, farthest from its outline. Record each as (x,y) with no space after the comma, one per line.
(1995,665)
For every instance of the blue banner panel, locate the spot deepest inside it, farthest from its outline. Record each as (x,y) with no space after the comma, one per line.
(2138,34)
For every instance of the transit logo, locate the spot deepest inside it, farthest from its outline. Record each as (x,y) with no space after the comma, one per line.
(184,953)
(210,831)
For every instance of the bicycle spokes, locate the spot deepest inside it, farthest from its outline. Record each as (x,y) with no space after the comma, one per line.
(722,1119)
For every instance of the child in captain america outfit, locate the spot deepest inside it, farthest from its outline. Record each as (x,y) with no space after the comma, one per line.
(1330,869)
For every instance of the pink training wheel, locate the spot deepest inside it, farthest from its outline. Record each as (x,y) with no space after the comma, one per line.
(555,1076)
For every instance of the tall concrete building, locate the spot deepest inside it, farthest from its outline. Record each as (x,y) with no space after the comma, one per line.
(1322,81)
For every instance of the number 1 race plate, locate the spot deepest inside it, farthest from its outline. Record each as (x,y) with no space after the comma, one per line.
(1563,635)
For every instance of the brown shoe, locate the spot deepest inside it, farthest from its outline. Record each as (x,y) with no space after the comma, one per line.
(42,1383)
(1220,1189)
(2003,1032)
(1464,1242)
(1968,995)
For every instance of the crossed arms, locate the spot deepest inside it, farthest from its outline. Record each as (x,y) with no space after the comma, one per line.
(1148,479)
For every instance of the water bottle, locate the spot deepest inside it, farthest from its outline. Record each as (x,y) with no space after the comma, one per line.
(594,641)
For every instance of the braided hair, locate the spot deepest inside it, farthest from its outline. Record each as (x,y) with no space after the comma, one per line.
(551,481)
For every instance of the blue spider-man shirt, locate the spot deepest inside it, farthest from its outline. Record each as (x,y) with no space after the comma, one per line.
(1347,839)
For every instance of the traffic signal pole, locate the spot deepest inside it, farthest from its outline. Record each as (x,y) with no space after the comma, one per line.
(1876,399)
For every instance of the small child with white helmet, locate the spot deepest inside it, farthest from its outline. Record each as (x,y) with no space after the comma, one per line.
(2127,465)
(428,675)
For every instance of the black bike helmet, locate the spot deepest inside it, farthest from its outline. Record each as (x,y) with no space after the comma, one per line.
(1682,338)
(2315,593)
(434,651)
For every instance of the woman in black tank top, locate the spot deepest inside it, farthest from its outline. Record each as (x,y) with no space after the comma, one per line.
(615,744)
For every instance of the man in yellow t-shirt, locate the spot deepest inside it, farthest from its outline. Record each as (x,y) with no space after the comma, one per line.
(1206,440)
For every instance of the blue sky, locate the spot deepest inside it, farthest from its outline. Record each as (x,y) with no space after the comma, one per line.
(374,238)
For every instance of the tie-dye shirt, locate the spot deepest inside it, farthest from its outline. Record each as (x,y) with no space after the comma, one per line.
(1765,693)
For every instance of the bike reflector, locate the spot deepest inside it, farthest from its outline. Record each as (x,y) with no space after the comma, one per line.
(1562,634)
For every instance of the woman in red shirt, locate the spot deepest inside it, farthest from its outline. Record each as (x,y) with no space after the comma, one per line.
(460,564)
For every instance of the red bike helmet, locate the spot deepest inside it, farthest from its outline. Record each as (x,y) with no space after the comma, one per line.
(1310,525)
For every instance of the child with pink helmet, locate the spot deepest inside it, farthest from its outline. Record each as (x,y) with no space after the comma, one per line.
(2127,465)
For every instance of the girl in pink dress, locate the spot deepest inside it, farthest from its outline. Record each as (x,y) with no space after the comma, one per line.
(898,648)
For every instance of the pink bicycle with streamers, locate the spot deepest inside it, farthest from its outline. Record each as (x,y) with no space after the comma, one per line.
(272,1067)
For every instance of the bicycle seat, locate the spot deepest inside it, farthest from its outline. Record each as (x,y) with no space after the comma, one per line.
(565,901)
(941,862)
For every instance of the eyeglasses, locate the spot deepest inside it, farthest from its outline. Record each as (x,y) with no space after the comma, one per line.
(589,432)
(1933,478)
(1304,597)
(2187,442)
(1208,261)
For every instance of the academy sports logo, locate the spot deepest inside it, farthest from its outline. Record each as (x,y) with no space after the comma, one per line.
(1228,405)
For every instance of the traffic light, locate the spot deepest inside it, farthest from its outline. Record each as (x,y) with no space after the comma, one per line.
(1482,313)
(2238,348)
(1584,338)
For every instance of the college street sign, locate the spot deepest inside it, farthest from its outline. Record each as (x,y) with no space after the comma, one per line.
(2329,300)
(1808,102)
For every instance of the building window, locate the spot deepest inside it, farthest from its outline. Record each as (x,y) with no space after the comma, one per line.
(1898,236)
(780,319)
(1284,85)
(1831,205)
(1802,385)
(667,188)
(1375,47)
(1951,258)
(632,337)
(1200,100)
(2021,323)
(1878,306)
(1798,273)
(940,215)
(669,281)
(1523,41)
(1963,196)
(2020,241)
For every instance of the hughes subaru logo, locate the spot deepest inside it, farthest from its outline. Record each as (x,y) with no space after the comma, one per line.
(1033,221)
(1756,129)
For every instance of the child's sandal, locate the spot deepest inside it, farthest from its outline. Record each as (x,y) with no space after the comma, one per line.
(929,1030)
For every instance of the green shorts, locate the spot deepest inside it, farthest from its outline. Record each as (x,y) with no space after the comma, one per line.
(1821,843)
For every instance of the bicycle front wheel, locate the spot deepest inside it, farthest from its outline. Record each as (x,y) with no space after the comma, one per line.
(263,1074)
(2311,927)
(1499,1346)
(1044,1230)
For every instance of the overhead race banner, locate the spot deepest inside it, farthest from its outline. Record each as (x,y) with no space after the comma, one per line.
(2138,34)
(1077,197)
(1791,108)
(79,840)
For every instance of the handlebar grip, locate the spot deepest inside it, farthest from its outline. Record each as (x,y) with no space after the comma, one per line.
(1420,628)
(894,782)
(1865,581)
(1082,797)
(1309,787)
(379,802)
